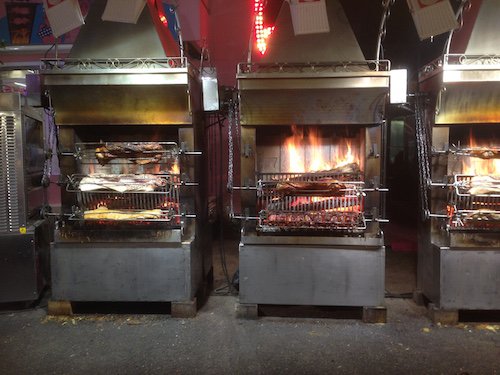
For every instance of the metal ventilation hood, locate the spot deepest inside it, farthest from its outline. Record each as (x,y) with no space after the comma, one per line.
(466,83)
(340,44)
(118,74)
(314,79)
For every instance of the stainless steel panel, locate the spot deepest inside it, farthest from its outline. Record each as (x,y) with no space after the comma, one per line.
(312,106)
(23,263)
(117,272)
(121,104)
(483,39)
(18,268)
(469,103)
(362,242)
(339,44)
(312,275)
(122,77)
(470,279)
(105,39)
(10,102)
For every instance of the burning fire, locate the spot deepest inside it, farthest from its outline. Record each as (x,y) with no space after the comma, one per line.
(174,169)
(310,154)
(478,166)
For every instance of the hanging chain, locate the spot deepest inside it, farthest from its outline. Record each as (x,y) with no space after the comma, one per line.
(230,169)
(50,127)
(423,153)
(386,13)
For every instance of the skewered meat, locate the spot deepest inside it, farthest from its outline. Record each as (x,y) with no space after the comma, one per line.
(140,153)
(485,153)
(484,185)
(484,215)
(328,187)
(122,182)
(314,219)
(103,213)
(351,168)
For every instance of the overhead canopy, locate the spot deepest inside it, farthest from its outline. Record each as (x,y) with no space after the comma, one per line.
(313,79)
(466,85)
(119,74)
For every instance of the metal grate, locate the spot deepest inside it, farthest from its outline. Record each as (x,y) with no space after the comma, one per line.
(86,154)
(9,197)
(472,212)
(310,210)
(133,158)
(146,200)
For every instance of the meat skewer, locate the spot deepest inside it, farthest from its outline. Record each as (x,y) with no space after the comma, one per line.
(485,153)
(143,153)
(321,188)
(484,185)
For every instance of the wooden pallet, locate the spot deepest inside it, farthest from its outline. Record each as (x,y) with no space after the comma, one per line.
(177,309)
(452,317)
(368,314)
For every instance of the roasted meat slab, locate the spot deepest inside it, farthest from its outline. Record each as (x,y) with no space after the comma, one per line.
(141,153)
(122,182)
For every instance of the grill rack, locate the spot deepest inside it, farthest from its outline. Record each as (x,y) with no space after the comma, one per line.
(166,216)
(161,197)
(85,152)
(462,182)
(310,211)
(465,209)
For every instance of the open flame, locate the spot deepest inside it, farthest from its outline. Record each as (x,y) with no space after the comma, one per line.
(309,153)
(174,169)
(478,166)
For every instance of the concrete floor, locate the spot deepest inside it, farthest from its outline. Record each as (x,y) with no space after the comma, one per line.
(215,342)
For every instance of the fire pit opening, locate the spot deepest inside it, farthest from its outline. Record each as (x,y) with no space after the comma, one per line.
(310,178)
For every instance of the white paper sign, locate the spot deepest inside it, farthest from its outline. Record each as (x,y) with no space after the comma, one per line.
(309,16)
(63,15)
(127,11)
(432,17)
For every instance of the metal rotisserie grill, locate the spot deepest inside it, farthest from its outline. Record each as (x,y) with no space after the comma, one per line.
(127,182)
(131,154)
(457,125)
(320,201)
(311,140)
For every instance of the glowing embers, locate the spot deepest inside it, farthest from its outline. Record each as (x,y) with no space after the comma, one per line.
(262,33)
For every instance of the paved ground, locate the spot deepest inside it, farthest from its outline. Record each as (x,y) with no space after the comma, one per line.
(215,342)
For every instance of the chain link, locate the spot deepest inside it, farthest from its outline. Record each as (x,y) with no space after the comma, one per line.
(50,142)
(423,153)
(230,169)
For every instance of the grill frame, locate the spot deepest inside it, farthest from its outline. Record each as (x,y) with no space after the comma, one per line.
(336,213)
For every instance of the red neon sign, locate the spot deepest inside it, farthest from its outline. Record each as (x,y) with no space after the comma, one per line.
(262,33)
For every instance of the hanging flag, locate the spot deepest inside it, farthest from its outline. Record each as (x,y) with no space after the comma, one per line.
(63,15)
